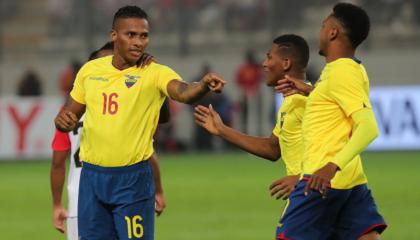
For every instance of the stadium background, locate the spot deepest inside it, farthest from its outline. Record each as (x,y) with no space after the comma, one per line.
(218,192)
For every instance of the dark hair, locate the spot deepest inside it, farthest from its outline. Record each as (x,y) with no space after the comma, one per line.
(129,12)
(294,46)
(354,20)
(107,46)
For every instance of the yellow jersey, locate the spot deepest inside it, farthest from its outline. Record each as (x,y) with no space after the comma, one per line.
(288,130)
(122,110)
(343,89)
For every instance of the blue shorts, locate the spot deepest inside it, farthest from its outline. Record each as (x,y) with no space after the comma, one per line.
(344,215)
(116,202)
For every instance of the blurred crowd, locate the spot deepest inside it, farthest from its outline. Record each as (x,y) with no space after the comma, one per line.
(67,18)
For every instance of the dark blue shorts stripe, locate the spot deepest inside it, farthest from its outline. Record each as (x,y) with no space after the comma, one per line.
(125,169)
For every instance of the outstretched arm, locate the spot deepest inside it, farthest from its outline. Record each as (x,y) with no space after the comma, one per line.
(57,175)
(265,147)
(189,93)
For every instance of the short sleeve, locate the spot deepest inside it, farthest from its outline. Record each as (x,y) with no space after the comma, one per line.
(61,141)
(349,88)
(78,91)
(166,74)
(277,128)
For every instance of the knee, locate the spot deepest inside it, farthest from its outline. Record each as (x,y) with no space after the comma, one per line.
(374,235)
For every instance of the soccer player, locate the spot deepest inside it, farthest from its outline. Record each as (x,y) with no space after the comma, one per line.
(122,102)
(333,199)
(289,54)
(64,143)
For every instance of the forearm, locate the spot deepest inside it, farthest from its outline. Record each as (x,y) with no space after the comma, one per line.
(57,176)
(267,148)
(365,130)
(156,173)
(189,93)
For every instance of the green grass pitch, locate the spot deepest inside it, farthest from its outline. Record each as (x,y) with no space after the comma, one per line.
(214,196)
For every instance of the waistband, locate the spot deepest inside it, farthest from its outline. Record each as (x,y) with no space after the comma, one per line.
(124,169)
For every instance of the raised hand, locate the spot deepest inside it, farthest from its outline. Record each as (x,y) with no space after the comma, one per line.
(145,60)
(214,82)
(159,203)
(208,119)
(59,218)
(320,180)
(283,187)
(289,86)
(66,121)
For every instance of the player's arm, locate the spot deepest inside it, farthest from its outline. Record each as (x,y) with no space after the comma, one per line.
(265,147)
(159,198)
(189,93)
(61,149)
(165,113)
(67,118)
(364,131)
(289,86)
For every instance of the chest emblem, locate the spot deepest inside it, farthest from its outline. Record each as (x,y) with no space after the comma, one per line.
(282,115)
(130,80)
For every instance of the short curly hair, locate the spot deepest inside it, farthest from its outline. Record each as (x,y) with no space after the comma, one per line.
(354,20)
(129,12)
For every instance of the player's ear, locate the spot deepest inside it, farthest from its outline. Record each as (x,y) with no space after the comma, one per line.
(333,34)
(286,64)
(113,35)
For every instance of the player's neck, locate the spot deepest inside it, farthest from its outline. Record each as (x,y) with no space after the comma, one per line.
(338,51)
(119,63)
(298,75)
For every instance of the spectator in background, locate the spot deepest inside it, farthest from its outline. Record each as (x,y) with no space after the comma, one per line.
(203,141)
(248,78)
(67,77)
(30,85)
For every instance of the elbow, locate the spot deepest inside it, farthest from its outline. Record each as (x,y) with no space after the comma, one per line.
(274,156)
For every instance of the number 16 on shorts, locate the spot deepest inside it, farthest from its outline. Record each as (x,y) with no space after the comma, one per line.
(134,226)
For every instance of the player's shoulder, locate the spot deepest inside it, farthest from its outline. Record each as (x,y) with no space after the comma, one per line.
(159,67)
(102,62)
(345,65)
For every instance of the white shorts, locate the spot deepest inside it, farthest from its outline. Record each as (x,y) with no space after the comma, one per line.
(72,230)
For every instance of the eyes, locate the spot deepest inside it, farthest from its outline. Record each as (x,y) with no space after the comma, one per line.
(143,35)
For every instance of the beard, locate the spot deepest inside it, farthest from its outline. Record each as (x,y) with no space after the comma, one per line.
(321,52)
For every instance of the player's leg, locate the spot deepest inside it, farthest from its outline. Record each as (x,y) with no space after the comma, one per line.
(135,221)
(310,217)
(133,198)
(371,236)
(72,230)
(94,218)
(359,218)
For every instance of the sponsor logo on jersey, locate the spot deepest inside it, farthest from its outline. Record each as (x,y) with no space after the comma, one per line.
(102,79)
(131,80)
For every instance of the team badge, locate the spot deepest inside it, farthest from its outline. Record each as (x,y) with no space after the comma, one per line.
(131,80)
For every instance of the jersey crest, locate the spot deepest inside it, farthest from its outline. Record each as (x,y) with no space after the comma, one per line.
(131,80)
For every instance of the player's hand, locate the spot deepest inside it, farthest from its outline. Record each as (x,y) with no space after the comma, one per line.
(65,121)
(213,82)
(283,187)
(145,60)
(159,203)
(320,180)
(59,218)
(289,86)
(208,119)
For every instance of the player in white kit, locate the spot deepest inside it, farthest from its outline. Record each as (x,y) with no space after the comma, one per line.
(65,143)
